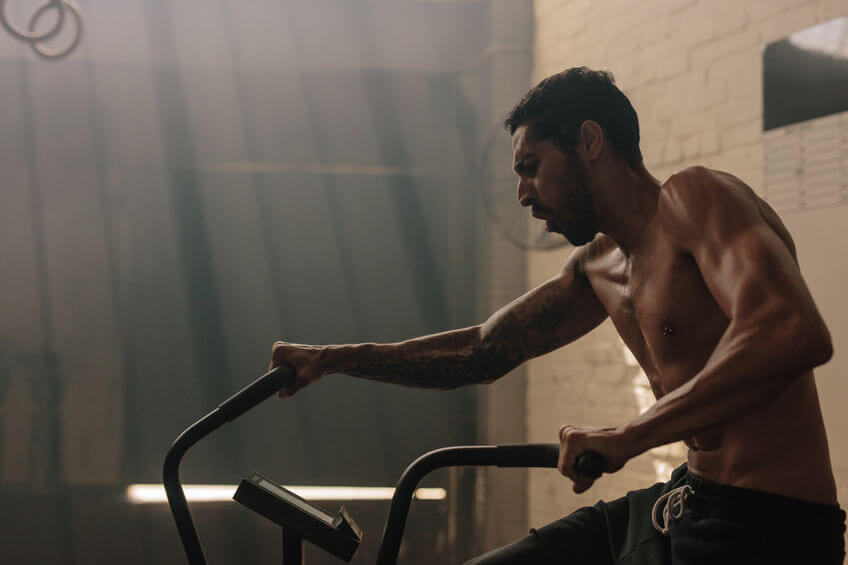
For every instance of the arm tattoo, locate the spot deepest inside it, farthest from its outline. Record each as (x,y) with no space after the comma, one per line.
(442,361)
(527,328)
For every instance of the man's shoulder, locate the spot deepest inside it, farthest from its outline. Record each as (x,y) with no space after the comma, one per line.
(698,195)
(702,183)
(588,255)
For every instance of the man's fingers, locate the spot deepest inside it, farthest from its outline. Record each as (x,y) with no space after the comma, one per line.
(305,359)
(572,446)
(292,389)
(561,466)
(581,486)
(277,356)
(566,467)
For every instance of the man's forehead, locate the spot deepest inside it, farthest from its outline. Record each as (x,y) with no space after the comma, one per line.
(522,143)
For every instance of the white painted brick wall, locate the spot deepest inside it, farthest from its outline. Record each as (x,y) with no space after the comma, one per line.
(693,70)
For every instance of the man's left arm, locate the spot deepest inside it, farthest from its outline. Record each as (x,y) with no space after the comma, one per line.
(775,333)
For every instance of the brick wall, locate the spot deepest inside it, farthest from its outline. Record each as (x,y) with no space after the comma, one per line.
(693,70)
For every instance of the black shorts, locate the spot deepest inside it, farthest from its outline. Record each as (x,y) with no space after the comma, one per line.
(717,525)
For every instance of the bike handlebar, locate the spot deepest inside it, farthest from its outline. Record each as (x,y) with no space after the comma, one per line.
(590,463)
(232,408)
(257,391)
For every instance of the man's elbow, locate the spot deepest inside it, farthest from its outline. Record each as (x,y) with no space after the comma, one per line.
(491,362)
(823,352)
(813,337)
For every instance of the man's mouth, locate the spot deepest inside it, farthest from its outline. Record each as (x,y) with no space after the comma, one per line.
(549,223)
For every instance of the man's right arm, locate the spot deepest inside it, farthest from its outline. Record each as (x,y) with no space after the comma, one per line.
(549,316)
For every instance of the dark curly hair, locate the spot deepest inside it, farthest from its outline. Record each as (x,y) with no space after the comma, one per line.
(558,106)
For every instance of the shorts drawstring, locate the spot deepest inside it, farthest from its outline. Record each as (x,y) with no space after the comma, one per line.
(675,505)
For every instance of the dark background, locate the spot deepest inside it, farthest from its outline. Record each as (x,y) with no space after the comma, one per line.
(196,181)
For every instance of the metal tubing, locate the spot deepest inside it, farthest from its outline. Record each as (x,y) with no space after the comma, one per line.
(235,406)
(292,548)
(522,455)
(174,490)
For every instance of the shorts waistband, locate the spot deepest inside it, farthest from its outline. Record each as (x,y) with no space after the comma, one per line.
(763,502)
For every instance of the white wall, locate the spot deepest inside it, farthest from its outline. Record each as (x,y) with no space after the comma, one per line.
(693,70)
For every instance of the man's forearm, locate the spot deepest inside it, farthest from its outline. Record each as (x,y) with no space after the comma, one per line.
(747,370)
(529,326)
(440,361)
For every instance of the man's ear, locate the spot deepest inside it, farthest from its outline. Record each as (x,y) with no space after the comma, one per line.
(590,139)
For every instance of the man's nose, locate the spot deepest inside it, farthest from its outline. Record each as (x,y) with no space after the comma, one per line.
(526,193)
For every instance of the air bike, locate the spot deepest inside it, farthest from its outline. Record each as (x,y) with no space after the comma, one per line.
(338,534)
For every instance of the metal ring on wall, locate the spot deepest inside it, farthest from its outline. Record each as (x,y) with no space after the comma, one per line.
(29,35)
(38,45)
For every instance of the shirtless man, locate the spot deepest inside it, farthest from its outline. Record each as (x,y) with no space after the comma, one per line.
(699,277)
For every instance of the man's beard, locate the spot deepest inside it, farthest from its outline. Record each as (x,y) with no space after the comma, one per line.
(581,228)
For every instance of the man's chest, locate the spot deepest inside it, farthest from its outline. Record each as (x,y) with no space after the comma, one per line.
(662,309)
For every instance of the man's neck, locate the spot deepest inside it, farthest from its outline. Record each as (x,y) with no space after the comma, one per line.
(625,202)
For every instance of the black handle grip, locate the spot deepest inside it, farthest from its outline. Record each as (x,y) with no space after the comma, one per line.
(528,455)
(257,391)
(591,464)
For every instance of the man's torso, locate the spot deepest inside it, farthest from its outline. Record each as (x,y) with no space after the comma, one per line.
(659,303)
